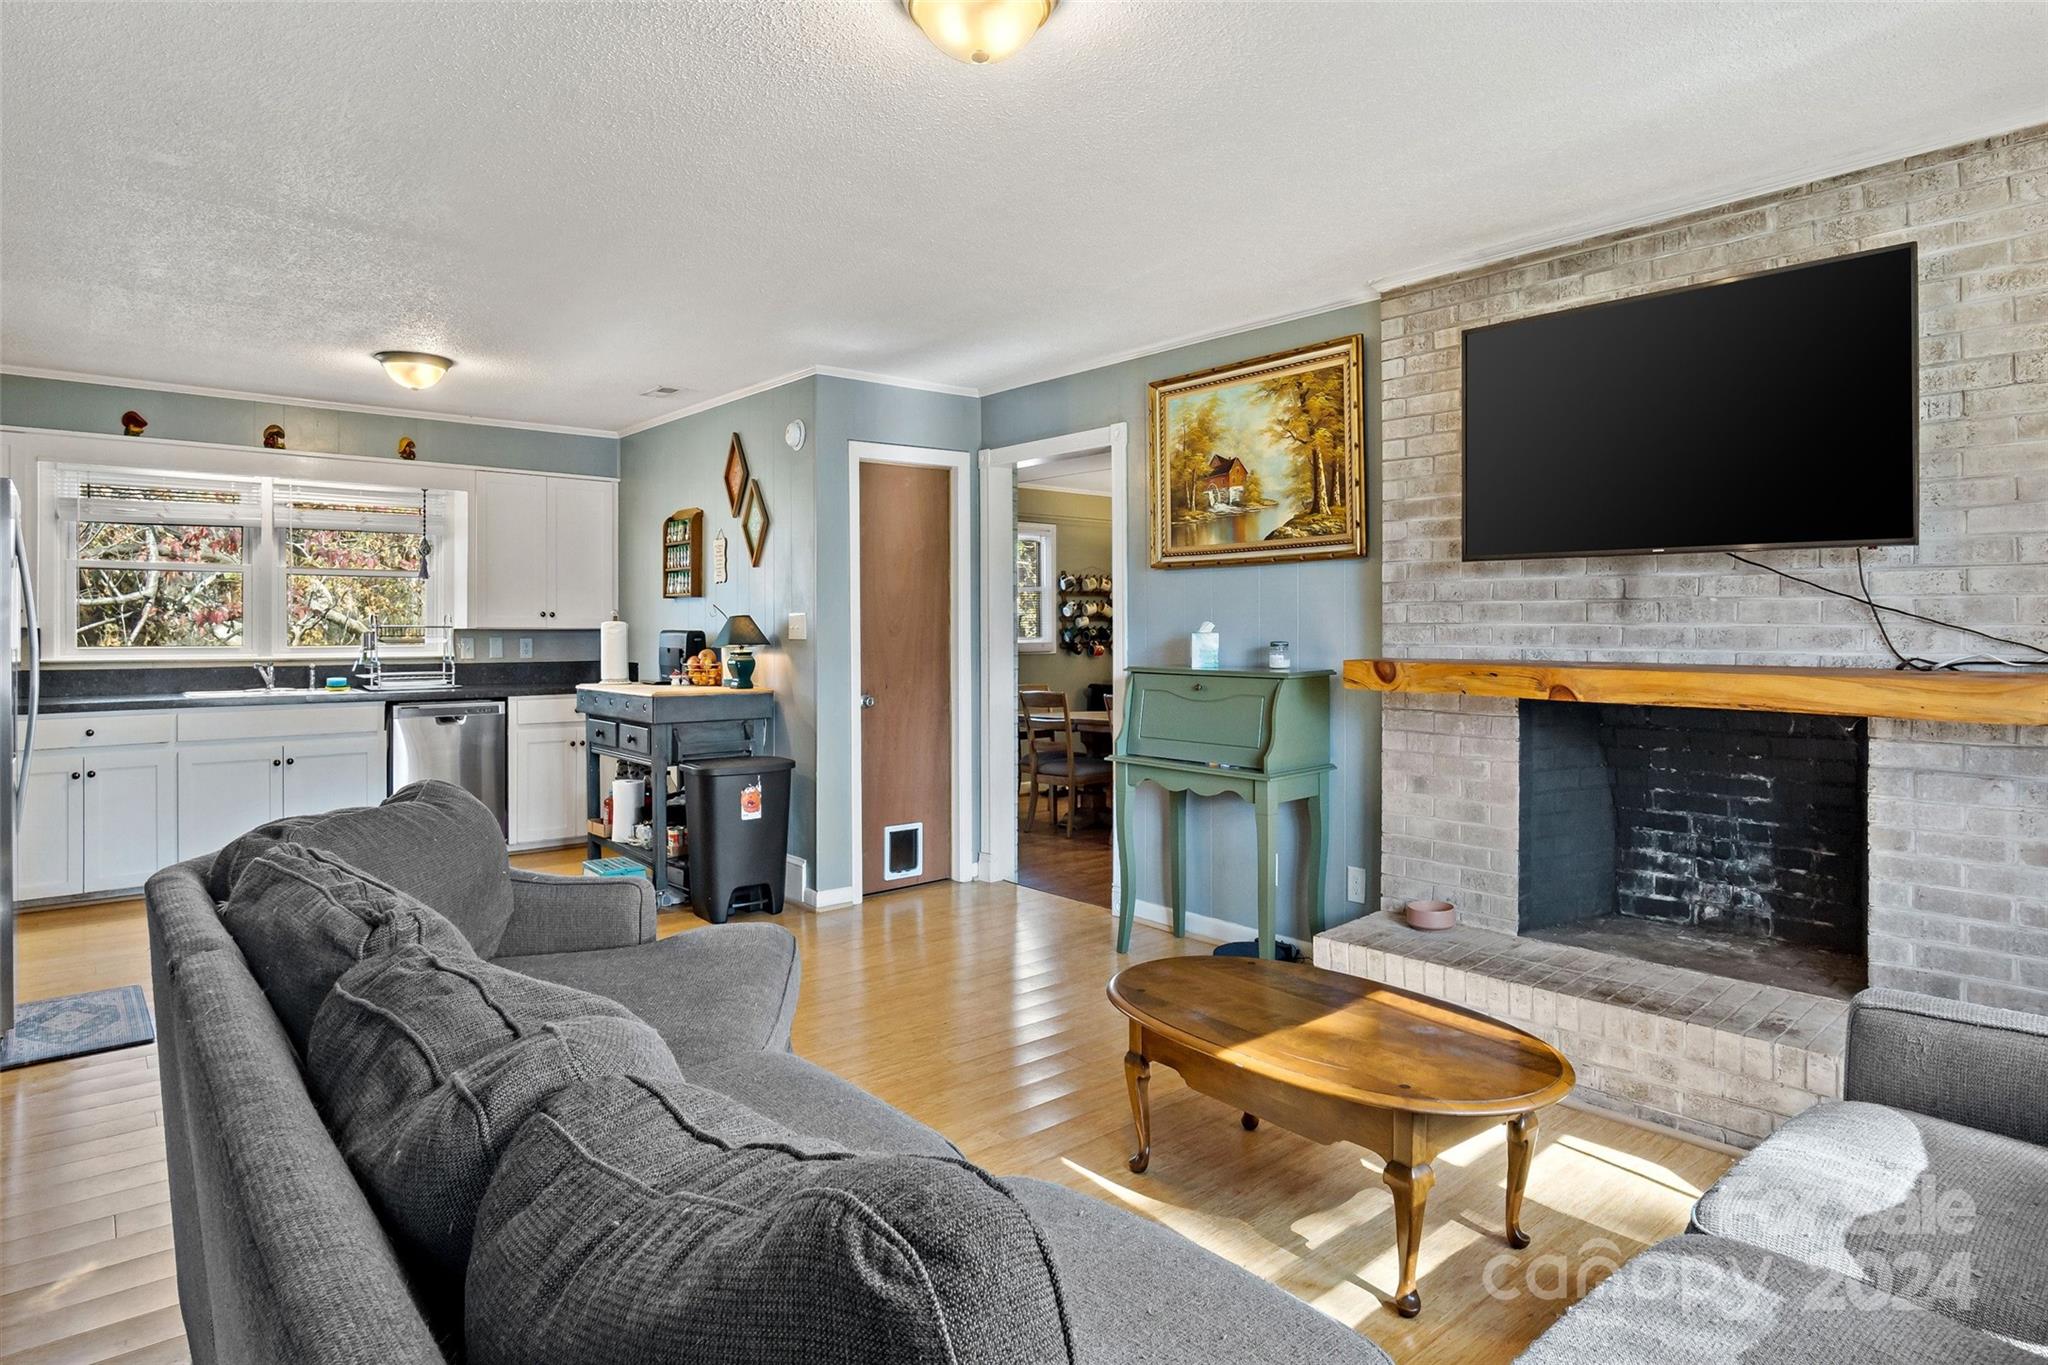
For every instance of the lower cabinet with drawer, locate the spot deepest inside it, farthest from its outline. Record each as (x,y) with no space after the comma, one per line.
(111,798)
(96,820)
(546,777)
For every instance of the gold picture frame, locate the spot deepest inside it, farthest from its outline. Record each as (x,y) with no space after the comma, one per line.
(1261,461)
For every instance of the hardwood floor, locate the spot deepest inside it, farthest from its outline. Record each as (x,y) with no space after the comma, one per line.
(978,1008)
(1077,869)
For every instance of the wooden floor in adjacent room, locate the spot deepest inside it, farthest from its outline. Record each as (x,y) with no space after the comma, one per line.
(977,1008)
(1076,867)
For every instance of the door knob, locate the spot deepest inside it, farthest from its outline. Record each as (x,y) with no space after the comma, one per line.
(867,701)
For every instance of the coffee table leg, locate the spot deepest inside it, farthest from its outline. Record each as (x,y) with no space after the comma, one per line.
(1250,1122)
(1138,1080)
(1410,1185)
(1521,1146)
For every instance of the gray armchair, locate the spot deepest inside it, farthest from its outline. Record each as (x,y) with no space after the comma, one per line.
(554,914)
(1981,1067)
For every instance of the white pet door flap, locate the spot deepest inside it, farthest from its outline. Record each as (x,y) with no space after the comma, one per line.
(902,851)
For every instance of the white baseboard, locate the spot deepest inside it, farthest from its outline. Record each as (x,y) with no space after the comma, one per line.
(837,898)
(1207,928)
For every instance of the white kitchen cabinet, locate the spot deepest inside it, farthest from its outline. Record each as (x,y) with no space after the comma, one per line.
(546,769)
(225,790)
(130,815)
(546,552)
(49,853)
(583,518)
(547,784)
(510,576)
(95,820)
(329,774)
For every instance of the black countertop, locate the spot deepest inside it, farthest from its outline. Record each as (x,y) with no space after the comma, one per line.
(69,692)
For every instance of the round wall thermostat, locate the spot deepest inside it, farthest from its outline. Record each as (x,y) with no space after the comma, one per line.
(794,434)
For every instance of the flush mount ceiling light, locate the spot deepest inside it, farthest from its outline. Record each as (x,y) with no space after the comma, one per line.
(414,369)
(979,31)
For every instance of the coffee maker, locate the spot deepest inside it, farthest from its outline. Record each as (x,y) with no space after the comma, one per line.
(678,647)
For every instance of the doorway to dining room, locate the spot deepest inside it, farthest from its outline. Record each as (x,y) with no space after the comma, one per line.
(1066,629)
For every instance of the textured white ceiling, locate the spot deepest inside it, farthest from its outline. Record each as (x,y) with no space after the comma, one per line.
(579,201)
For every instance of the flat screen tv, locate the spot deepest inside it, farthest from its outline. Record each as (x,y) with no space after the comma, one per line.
(1770,411)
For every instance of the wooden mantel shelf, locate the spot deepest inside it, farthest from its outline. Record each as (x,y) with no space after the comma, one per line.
(1975,698)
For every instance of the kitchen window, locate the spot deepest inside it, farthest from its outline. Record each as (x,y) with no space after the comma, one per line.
(1037,613)
(161,564)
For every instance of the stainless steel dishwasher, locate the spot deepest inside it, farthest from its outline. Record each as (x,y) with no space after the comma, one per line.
(455,741)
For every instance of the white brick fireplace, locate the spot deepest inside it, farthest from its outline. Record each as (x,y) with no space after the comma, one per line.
(1957,814)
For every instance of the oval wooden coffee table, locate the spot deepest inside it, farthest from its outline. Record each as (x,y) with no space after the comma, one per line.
(1339,1059)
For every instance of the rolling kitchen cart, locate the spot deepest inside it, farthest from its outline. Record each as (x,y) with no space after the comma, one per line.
(650,728)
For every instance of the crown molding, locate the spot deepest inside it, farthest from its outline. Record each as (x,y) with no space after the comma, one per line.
(706,404)
(1586,229)
(243,395)
(1175,343)
(896,382)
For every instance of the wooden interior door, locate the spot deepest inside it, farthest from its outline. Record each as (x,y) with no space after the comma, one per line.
(906,637)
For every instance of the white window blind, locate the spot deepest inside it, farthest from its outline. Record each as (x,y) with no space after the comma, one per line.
(157,499)
(359,507)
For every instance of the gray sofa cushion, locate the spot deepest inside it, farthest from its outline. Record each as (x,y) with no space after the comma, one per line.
(1705,1301)
(805,1098)
(303,917)
(1141,1294)
(1946,1216)
(710,992)
(634,1221)
(426,1064)
(432,840)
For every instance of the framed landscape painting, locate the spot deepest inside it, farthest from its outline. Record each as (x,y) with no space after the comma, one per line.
(1261,461)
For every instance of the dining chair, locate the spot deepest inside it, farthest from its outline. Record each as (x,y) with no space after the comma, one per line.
(1056,763)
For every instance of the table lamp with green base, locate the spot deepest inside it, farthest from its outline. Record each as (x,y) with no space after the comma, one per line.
(737,642)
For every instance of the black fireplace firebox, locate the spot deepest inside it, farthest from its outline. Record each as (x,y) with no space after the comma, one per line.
(1738,824)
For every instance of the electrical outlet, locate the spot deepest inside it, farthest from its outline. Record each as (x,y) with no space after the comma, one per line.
(526,646)
(496,648)
(465,648)
(1354,885)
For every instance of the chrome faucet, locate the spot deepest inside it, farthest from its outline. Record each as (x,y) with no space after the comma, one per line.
(267,672)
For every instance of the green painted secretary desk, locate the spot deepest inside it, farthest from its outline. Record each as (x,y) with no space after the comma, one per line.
(1252,733)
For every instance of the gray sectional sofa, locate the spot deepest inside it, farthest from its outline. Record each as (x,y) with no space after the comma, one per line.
(1907,1223)
(281,1253)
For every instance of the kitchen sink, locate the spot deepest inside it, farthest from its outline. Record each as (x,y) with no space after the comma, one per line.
(299,692)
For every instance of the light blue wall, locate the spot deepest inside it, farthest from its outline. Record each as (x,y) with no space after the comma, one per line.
(67,405)
(1329,610)
(682,464)
(848,411)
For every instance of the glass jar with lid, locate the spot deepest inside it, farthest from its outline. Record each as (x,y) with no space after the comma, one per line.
(1277,656)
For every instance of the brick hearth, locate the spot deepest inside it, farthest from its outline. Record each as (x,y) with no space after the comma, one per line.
(1720,1059)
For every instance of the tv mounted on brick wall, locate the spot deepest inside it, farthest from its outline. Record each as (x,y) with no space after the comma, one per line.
(1774,410)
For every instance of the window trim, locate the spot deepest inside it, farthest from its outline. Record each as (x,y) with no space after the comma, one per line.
(1048,537)
(265,573)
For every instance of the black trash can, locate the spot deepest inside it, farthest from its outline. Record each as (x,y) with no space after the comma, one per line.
(737,813)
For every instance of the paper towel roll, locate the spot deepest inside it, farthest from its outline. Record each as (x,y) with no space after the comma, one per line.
(627,794)
(611,651)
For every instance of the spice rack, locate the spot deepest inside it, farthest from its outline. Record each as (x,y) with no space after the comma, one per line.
(682,553)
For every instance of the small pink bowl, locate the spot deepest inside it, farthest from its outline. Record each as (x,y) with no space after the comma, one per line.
(1431,914)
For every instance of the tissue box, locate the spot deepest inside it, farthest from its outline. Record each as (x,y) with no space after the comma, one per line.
(1205,649)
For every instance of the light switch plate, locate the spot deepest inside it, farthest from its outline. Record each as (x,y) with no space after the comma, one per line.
(496,648)
(465,648)
(526,646)
(799,627)
(1354,885)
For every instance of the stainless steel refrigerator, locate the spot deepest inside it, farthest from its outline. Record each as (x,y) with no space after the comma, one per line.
(18,612)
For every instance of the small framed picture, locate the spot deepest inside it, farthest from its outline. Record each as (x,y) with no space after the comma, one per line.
(735,474)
